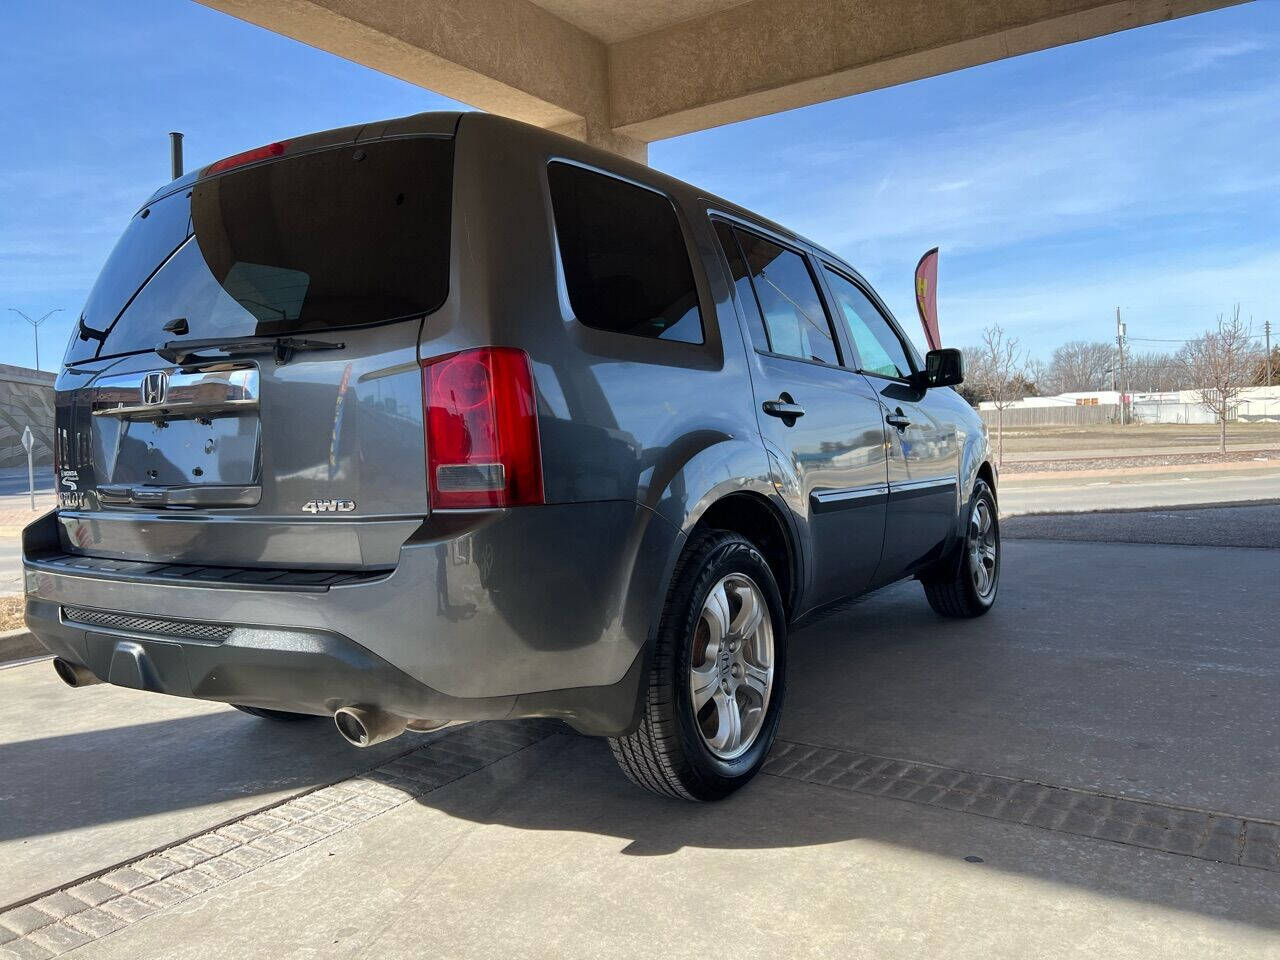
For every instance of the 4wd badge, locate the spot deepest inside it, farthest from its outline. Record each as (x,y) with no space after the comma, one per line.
(328,506)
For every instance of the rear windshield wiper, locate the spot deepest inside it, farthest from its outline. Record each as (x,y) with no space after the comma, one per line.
(89,333)
(186,352)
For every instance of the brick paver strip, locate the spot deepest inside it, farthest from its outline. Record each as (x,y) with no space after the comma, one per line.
(1202,834)
(63,920)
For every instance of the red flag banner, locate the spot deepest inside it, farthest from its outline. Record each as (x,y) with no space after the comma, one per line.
(927,297)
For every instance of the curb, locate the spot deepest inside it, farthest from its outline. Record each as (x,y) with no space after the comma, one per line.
(19,645)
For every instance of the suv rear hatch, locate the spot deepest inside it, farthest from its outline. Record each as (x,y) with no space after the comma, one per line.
(243,388)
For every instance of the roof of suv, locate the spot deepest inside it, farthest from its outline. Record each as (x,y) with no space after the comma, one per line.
(436,123)
(449,122)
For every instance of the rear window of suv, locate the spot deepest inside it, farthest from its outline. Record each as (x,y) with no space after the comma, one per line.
(625,262)
(337,238)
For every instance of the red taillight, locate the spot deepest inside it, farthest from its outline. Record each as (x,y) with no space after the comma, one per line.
(249,156)
(481,429)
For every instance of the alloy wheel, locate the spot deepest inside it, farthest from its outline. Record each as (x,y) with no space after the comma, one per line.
(983,547)
(731,674)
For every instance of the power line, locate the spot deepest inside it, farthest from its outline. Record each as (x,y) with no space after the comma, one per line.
(1252,336)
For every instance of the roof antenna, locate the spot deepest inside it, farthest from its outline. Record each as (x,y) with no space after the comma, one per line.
(175,153)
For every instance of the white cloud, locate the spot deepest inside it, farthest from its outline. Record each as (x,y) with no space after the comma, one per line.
(1214,52)
(1158,300)
(1027,178)
(1048,219)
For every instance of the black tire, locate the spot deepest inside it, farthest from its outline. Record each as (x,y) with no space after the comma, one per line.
(667,753)
(954,591)
(262,713)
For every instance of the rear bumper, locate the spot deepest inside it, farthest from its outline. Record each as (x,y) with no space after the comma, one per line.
(540,611)
(304,671)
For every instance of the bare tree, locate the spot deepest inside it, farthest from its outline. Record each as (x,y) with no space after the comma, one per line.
(1079,366)
(1039,379)
(1220,364)
(1154,372)
(997,370)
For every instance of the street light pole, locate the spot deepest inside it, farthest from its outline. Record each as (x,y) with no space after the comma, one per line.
(35,327)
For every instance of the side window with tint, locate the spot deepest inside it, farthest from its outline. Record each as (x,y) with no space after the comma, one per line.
(742,285)
(782,305)
(879,349)
(625,262)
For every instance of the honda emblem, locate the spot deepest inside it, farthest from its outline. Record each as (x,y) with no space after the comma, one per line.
(155,386)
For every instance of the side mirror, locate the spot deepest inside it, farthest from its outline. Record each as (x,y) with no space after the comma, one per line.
(943,368)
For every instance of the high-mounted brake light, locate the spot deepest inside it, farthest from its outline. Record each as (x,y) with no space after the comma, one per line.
(482,429)
(248,156)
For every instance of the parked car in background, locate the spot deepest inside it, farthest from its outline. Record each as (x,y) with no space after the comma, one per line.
(449,418)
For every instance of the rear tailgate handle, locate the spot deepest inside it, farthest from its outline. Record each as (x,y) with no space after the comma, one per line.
(114,494)
(210,495)
(179,395)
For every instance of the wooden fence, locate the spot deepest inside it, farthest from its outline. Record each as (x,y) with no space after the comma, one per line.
(1063,416)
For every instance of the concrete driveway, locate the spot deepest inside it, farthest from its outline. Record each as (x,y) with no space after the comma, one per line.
(101,775)
(1092,770)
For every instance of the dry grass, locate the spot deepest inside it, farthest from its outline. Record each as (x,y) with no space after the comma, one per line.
(10,613)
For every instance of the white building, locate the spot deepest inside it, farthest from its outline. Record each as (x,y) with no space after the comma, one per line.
(1174,406)
(1087,398)
(1184,406)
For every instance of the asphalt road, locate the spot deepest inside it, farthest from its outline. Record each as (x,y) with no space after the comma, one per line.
(1018,496)
(1233,525)
(14,483)
(1106,670)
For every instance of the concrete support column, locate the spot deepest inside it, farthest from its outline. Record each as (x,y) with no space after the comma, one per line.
(602,136)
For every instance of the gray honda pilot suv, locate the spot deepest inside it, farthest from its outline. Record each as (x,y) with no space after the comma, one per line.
(449,418)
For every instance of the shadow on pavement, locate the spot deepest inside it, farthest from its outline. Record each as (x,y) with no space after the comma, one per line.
(572,786)
(1127,670)
(78,780)
(1133,670)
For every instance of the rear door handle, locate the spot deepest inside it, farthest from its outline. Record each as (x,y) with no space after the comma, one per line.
(897,420)
(783,408)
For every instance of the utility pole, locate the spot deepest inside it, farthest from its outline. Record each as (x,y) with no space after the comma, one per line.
(35,327)
(1266,332)
(1124,405)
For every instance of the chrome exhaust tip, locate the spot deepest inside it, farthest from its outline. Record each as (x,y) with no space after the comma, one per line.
(361,727)
(72,674)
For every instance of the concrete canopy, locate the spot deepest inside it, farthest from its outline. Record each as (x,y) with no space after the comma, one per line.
(622,73)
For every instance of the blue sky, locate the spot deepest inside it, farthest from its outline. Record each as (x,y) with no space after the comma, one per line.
(1140,170)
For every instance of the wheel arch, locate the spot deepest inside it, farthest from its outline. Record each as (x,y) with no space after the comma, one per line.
(759,520)
(987,473)
(975,464)
(722,484)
